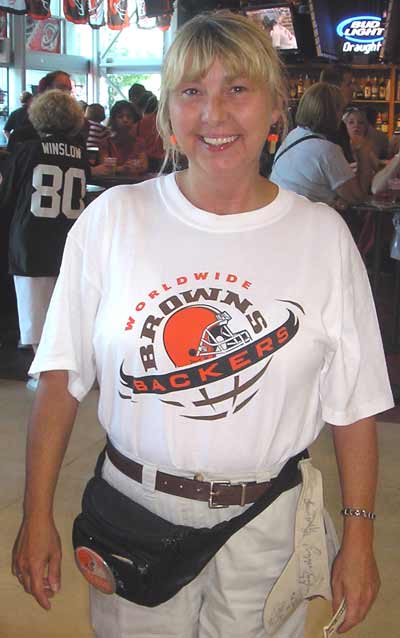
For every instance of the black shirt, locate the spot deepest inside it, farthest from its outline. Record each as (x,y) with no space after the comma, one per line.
(17,119)
(44,183)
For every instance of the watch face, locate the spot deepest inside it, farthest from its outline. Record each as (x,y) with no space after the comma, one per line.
(95,570)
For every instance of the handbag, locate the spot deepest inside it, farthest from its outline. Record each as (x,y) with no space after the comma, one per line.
(123,548)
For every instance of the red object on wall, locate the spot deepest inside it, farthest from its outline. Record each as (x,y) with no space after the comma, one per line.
(117,16)
(39,9)
(43,35)
(97,16)
(76,11)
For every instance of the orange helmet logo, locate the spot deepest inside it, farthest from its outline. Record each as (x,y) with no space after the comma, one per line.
(197,333)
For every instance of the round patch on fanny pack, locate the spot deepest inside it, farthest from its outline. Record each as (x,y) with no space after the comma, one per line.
(96,571)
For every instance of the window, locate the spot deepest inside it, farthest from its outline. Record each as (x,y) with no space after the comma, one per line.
(128,56)
(78,39)
(115,86)
(131,46)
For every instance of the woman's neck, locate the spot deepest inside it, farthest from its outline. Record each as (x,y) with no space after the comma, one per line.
(227,196)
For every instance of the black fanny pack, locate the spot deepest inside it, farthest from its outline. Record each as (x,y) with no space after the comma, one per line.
(123,548)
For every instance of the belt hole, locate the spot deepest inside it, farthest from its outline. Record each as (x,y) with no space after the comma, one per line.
(165,482)
(181,486)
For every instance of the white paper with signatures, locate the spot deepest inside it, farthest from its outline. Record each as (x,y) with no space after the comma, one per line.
(307,573)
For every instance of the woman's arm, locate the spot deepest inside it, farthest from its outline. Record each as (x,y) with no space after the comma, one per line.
(36,557)
(356,190)
(380,180)
(355,575)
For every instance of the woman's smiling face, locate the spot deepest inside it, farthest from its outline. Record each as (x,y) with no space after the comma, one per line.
(221,123)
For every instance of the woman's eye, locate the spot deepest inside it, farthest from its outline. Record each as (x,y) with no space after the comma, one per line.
(238,88)
(190,91)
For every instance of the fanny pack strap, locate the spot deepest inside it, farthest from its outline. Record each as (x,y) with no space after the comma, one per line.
(288,477)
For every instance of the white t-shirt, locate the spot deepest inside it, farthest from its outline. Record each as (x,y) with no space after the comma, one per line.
(313,168)
(221,342)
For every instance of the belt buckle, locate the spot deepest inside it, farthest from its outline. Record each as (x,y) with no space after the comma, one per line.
(211,504)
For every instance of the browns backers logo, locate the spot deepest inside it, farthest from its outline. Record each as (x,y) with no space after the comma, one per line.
(216,349)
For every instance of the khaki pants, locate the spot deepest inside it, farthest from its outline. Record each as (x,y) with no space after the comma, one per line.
(33,299)
(227,599)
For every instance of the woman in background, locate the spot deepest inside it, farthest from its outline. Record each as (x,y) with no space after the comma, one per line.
(357,125)
(146,128)
(309,164)
(124,146)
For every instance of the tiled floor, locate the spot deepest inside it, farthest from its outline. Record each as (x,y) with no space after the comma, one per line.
(20,617)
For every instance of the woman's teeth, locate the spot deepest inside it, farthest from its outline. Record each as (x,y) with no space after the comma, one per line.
(219,141)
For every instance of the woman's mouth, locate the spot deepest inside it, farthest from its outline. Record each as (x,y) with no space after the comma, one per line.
(218,142)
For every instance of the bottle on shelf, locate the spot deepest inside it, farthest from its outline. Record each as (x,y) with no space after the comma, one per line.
(382,89)
(368,89)
(374,88)
(385,123)
(293,89)
(360,90)
(307,82)
(398,122)
(300,86)
(354,83)
(398,88)
(378,123)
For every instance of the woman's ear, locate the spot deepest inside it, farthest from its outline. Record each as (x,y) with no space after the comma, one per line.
(275,115)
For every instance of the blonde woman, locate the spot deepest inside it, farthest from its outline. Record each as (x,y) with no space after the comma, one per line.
(222,317)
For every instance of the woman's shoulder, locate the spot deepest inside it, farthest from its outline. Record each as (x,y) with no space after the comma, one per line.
(115,210)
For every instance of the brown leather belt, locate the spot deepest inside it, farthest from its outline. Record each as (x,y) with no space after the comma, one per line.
(217,493)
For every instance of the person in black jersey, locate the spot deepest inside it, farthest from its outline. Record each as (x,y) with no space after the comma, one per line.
(44,185)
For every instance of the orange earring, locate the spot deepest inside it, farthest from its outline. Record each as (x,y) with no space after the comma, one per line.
(172,139)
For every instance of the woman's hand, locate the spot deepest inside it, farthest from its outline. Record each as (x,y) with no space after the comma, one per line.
(36,560)
(103,170)
(355,575)
(136,166)
(36,555)
(355,578)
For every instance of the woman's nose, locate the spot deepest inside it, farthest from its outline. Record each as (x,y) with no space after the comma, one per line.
(215,109)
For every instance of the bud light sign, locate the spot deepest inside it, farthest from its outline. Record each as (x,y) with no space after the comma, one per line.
(362,34)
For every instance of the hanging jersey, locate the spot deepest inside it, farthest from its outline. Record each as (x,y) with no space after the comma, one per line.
(45,185)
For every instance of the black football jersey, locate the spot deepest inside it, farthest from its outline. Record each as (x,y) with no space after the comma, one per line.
(45,185)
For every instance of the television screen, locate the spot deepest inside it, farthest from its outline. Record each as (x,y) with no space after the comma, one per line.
(324,33)
(278,21)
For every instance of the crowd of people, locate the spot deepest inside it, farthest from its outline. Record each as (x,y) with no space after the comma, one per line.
(129,134)
(226,317)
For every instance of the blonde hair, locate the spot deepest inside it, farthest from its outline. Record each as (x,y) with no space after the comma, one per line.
(320,107)
(242,46)
(56,111)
